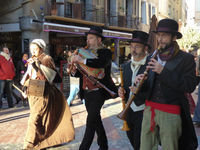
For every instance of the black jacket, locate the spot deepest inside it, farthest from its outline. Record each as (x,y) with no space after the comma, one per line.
(127,77)
(20,71)
(177,78)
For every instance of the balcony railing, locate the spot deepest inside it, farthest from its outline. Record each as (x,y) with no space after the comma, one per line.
(91,13)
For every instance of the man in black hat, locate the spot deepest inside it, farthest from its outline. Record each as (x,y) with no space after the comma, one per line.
(138,48)
(172,74)
(94,95)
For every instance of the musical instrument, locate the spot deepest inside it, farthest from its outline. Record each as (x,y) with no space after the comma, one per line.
(30,60)
(122,115)
(125,124)
(95,72)
(17,88)
(91,73)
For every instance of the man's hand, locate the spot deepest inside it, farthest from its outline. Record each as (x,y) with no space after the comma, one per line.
(121,92)
(132,89)
(77,59)
(138,78)
(71,68)
(155,66)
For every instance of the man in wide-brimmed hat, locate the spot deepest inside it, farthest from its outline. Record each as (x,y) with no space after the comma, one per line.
(172,74)
(94,94)
(137,65)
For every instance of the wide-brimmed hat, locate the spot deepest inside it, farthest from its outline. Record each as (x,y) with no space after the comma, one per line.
(139,37)
(96,31)
(40,43)
(169,26)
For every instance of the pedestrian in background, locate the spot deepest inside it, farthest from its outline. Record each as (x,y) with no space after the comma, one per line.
(20,71)
(7,73)
(137,65)
(196,118)
(74,89)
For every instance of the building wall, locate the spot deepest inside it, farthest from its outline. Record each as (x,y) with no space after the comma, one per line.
(171,9)
(197,12)
(10,11)
(184,10)
(148,9)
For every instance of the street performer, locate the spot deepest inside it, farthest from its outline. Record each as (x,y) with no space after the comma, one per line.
(138,49)
(50,121)
(93,94)
(166,118)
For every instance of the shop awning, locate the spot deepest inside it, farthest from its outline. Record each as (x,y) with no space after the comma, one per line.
(54,27)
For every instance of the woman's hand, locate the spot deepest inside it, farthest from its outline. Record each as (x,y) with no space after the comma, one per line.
(24,94)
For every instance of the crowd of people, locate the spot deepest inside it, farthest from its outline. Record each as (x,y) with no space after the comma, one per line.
(159,114)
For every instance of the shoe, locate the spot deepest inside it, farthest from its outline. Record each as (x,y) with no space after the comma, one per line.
(197,124)
(18,100)
(10,105)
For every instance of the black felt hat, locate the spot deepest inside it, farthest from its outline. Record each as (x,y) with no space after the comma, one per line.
(139,37)
(96,31)
(169,26)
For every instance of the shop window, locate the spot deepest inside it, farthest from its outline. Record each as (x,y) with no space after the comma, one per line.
(68,9)
(153,10)
(150,13)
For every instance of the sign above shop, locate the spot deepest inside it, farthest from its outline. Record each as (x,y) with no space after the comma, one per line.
(81,30)
(12,27)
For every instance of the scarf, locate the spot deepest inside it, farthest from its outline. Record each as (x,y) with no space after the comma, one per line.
(5,55)
(135,65)
(94,51)
(170,52)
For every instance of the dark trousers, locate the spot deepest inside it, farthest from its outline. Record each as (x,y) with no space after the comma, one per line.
(93,102)
(134,121)
(6,85)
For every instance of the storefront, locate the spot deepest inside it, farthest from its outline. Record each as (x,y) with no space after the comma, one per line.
(68,37)
(10,36)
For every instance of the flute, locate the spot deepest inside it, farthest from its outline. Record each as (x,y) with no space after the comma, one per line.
(30,60)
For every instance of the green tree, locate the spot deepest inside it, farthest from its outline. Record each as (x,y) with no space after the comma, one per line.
(191,37)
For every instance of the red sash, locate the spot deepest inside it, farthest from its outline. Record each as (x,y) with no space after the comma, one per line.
(172,109)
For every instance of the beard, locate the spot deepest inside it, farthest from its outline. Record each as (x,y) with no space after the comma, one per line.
(166,46)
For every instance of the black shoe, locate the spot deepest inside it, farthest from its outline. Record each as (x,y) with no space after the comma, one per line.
(197,124)
(18,100)
(105,148)
(10,106)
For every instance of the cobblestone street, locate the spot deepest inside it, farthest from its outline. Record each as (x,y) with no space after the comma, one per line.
(13,124)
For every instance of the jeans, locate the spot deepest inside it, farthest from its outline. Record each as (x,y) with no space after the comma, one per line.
(6,85)
(196,117)
(1,91)
(74,89)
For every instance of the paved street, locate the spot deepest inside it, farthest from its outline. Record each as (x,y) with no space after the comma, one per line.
(13,124)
